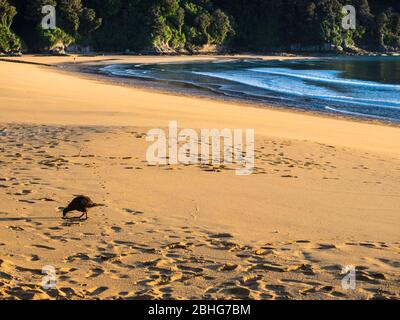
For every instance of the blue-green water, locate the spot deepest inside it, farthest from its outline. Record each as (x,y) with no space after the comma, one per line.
(364,87)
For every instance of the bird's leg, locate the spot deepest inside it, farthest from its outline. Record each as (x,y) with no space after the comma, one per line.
(83,215)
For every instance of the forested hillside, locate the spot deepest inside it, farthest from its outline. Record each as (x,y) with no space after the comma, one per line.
(189,25)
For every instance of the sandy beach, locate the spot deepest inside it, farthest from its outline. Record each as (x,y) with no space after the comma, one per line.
(325,194)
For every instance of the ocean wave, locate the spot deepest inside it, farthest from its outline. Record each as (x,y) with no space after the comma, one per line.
(301,90)
(117,70)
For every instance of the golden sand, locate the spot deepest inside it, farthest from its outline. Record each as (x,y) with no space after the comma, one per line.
(324,194)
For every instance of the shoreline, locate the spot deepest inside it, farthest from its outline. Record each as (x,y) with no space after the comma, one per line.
(191,90)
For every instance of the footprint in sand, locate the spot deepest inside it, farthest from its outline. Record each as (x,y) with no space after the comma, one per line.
(41,246)
(303,241)
(179,245)
(27,201)
(134,212)
(16,228)
(395,264)
(34,257)
(95,272)
(46,199)
(268,267)
(229,267)
(237,292)
(306,269)
(116,229)
(97,291)
(5,267)
(78,256)
(32,271)
(69,293)
(322,246)
(190,270)
(221,236)
(370,276)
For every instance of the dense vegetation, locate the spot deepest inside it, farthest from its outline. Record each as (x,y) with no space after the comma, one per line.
(189,25)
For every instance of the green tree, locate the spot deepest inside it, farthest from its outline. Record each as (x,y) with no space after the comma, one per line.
(54,39)
(7,13)
(89,22)
(220,27)
(172,25)
(69,12)
(203,22)
(33,10)
(381,30)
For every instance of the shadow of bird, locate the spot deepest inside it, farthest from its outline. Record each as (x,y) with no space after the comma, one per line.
(80,204)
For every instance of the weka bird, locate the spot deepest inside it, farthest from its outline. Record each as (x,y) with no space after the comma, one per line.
(81,204)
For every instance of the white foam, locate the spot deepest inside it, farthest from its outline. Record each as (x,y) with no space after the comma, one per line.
(330,76)
(300,89)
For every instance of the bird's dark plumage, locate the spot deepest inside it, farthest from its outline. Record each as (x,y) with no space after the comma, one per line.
(81,204)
